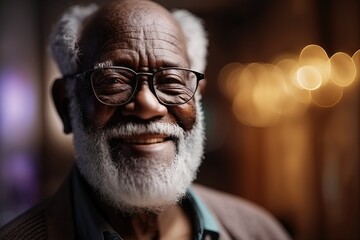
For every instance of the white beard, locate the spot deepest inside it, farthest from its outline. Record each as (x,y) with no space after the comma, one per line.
(134,184)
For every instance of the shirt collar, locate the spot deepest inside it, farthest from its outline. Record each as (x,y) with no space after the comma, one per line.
(91,225)
(206,225)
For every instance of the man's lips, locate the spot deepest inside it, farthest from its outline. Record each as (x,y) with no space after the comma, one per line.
(154,146)
(149,139)
(142,139)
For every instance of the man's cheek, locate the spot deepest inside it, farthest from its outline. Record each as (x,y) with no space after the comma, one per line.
(97,115)
(185,115)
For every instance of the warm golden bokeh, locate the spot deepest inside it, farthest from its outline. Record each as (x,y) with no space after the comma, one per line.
(328,95)
(262,93)
(309,77)
(343,69)
(316,57)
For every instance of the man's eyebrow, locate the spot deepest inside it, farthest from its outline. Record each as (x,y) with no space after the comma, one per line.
(108,63)
(164,63)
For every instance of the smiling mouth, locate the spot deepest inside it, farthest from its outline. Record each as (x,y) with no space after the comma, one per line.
(141,140)
(144,140)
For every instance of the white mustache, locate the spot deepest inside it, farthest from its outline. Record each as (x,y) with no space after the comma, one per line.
(130,129)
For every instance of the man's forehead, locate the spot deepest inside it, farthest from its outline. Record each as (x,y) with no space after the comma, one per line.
(133,19)
(125,14)
(133,12)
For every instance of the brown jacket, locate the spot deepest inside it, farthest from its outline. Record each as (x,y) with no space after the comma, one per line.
(53,219)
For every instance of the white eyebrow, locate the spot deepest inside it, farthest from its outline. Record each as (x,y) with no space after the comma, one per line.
(108,63)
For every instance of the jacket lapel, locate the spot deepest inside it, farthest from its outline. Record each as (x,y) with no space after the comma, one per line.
(59,217)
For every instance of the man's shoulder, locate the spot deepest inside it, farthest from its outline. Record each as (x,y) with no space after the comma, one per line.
(226,203)
(50,219)
(29,225)
(241,218)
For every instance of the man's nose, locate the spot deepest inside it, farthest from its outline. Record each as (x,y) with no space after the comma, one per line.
(144,105)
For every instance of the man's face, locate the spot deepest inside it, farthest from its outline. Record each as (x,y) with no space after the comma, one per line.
(142,154)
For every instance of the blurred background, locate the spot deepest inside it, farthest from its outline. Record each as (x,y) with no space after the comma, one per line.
(282,106)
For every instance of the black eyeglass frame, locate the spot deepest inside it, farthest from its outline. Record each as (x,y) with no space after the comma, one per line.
(87,75)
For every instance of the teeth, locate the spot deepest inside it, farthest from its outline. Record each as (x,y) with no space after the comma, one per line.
(144,141)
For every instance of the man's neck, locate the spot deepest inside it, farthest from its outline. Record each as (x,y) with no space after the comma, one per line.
(172,223)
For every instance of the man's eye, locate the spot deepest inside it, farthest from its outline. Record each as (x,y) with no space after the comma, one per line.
(110,77)
(169,80)
(110,81)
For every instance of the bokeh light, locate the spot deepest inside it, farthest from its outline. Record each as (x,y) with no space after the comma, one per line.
(309,77)
(17,106)
(328,95)
(315,56)
(343,69)
(263,93)
(228,79)
(289,68)
(356,60)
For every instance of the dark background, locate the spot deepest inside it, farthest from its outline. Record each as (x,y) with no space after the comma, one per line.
(303,168)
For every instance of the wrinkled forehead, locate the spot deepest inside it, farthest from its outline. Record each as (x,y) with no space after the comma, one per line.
(119,23)
(134,12)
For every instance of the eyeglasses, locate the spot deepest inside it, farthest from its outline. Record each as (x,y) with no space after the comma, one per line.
(115,86)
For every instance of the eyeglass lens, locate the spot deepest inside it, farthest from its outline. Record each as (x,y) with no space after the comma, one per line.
(115,86)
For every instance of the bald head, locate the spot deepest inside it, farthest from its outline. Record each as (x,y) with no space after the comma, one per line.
(143,32)
(133,12)
(92,22)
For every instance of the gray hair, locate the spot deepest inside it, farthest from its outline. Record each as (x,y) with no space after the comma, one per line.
(196,38)
(65,36)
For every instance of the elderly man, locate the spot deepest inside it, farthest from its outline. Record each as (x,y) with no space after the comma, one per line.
(129,94)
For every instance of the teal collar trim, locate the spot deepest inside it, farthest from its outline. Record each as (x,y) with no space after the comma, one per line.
(206,221)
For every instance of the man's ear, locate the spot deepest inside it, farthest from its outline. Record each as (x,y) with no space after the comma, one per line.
(202,85)
(62,101)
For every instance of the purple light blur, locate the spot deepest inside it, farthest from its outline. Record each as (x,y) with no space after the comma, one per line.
(19,174)
(17,106)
